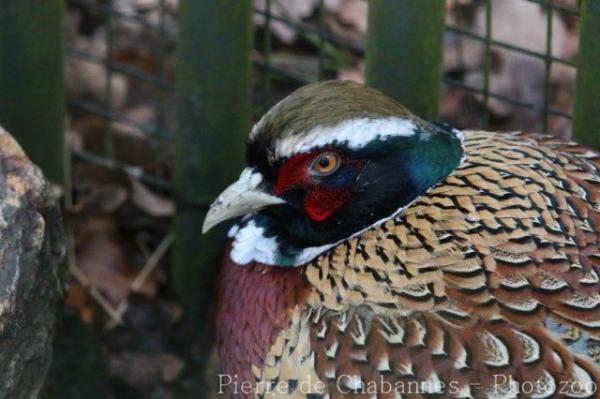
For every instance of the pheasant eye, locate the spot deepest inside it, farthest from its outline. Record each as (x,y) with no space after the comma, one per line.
(326,164)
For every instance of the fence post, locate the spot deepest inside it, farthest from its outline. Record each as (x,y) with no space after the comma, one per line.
(214,115)
(586,126)
(32,95)
(404,52)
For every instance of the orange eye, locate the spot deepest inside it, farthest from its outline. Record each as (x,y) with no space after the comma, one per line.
(326,163)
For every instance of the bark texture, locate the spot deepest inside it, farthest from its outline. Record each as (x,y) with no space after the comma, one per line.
(32,271)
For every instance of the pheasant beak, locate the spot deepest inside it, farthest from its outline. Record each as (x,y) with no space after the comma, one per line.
(242,197)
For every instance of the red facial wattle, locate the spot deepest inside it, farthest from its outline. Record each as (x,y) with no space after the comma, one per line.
(320,202)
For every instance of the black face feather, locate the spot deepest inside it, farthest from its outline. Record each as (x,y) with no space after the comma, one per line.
(384,176)
(257,157)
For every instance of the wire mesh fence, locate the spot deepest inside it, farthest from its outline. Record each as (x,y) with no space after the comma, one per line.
(146,65)
(569,14)
(132,71)
(122,58)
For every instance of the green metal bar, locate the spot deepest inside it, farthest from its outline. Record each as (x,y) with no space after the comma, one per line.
(160,107)
(99,7)
(267,48)
(304,27)
(551,111)
(321,30)
(131,170)
(508,46)
(487,62)
(404,52)
(32,95)
(152,131)
(548,62)
(109,143)
(213,90)
(586,126)
(124,69)
(558,7)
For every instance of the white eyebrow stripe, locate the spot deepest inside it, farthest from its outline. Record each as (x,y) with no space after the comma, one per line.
(353,133)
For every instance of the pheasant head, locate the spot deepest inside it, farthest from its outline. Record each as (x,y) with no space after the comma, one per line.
(326,163)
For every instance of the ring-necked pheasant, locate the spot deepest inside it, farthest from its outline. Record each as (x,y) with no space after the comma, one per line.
(387,256)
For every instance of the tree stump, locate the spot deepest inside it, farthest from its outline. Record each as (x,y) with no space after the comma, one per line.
(32,272)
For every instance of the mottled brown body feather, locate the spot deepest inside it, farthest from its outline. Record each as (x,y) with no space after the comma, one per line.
(492,275)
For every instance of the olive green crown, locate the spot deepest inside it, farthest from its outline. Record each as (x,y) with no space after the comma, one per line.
(325,104)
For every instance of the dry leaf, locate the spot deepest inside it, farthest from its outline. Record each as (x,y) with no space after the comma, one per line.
(292,10)
(354,13)
(103,258)
(87,79)
(150,202)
